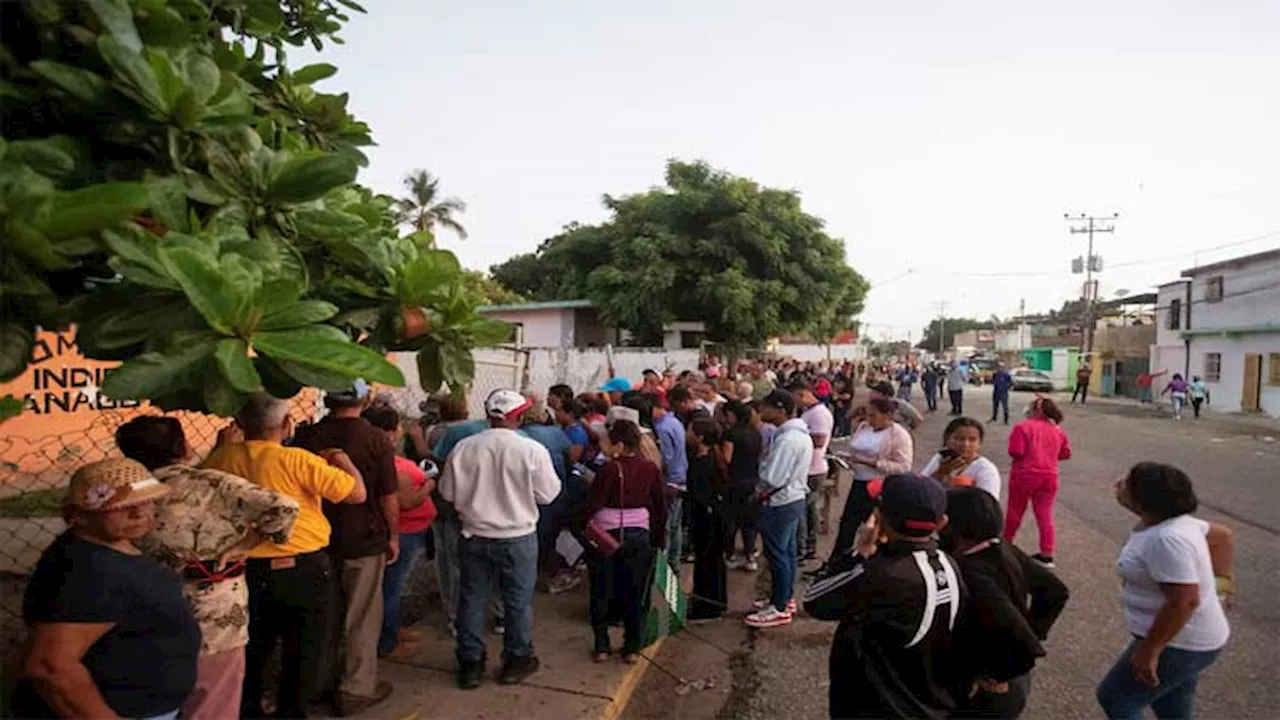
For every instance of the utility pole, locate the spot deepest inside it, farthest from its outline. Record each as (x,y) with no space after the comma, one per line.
(1089,224)
(1022,323)
(942,327)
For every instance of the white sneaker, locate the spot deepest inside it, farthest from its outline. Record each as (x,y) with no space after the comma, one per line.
(752,565)
(767,618)
(766,603)
(735,562)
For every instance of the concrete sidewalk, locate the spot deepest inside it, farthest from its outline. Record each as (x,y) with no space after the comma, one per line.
(1236,423)
(569,684)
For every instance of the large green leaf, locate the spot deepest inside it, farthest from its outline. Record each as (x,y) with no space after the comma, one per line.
(138,79)
(307,178)
(306,312)
(33,245)
(233,360)
(221,398)
(313,73)
(486,333)
(457,364)
(201,280)
(16,343)
(168,199)
(83,85)
(326,224)
(50,157)
(276,380)
(168,78)
(155,374)
(141,321)
(165,27)
(327,348)
(430,369)
(94,208)
(117,18)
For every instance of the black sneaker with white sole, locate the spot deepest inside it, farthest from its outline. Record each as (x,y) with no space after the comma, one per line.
(1045,560)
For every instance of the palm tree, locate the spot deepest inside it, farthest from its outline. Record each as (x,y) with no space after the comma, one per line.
(424,209)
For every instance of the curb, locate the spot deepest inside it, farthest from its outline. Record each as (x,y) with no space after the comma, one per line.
(629,683)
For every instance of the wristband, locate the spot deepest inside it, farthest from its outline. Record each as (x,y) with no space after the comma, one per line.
(1226,584)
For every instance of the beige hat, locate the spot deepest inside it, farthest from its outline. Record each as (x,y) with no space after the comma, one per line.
(113,484)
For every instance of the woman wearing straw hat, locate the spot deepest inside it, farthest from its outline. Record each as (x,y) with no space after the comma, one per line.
(110,633)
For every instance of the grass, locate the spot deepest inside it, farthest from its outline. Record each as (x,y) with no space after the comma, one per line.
(36,503)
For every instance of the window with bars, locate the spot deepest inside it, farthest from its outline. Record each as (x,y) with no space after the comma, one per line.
(1213,289)
(1175,314)
(1212,367)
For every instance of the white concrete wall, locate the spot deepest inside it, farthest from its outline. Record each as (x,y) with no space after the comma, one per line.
(1016,339)
(1165,295)
(587,368)
(1170,359)
(542,328)
(1251,296)
(1225,394)
(1061,362)
(818,353)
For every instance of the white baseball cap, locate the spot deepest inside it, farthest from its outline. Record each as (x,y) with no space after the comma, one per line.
(506,404)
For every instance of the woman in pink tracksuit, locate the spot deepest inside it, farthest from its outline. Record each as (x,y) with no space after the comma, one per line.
(1036,445)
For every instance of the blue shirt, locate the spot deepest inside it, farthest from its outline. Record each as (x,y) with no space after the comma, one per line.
(578,436)
(455,434)
(671,443)
(1001,381)
(556,442)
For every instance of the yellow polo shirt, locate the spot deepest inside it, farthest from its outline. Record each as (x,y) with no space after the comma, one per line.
(294,473)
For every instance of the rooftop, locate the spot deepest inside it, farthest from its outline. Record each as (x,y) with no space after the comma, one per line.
(1233,263)
(530,306)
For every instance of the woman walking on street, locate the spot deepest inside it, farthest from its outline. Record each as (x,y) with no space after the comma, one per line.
(1177,389)
(1199,394)
(1036,445)
(627,499)
(1173,568)
(708,487)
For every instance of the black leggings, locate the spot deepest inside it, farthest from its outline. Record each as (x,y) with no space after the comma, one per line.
(857,508)
(620,589)
(710,584)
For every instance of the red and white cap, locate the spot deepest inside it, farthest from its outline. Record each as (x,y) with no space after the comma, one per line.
(506,404)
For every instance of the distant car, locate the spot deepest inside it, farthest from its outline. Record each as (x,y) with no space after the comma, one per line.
(1033,380)
(981,370)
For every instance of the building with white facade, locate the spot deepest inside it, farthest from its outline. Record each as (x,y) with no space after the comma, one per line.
(1169,352)
(578,324)
(1230,325)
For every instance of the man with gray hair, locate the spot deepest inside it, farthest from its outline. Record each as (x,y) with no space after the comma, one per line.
(289,583)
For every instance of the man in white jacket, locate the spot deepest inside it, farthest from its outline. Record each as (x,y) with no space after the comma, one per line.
(496,480)
(782,490)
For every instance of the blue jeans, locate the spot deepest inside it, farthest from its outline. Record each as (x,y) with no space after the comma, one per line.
(1123,697)
(999,400)
(412,546)
(777,526)
(513,562)
(675,532)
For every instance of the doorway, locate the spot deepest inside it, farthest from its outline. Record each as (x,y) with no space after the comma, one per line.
(1251,388)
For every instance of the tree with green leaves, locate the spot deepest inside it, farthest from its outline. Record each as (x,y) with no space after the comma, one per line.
(425,208)
(950,327)
(172,187)
(746,260)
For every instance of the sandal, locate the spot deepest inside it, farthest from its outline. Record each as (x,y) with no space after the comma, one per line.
(600,655)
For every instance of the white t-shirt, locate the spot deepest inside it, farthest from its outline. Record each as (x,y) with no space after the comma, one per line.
(985,474)
(1175,551)
(867,441)
(820,422)
(496,480)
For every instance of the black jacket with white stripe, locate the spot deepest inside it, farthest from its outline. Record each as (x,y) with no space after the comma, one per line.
(891,655)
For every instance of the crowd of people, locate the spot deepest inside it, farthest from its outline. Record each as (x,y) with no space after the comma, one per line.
(179,580)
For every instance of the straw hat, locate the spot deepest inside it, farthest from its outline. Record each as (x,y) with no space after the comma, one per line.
(113,484)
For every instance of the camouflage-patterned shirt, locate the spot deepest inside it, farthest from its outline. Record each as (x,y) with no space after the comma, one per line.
(205,514)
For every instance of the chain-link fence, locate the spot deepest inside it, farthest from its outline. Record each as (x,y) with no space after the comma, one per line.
(496,369)
(38,454)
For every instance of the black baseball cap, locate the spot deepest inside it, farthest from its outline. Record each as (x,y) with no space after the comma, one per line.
(780,399)
(911,504)
(884,387)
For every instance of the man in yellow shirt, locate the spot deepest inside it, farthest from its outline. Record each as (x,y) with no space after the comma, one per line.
(289,583)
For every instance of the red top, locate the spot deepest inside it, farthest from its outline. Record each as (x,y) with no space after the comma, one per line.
(1036,445)
(417,519)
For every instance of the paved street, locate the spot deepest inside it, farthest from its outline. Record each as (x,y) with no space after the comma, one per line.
(783,673)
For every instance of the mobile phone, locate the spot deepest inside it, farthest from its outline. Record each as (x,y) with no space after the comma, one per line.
(947,453)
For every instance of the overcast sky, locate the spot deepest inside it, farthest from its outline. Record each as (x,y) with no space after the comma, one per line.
(946,138)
